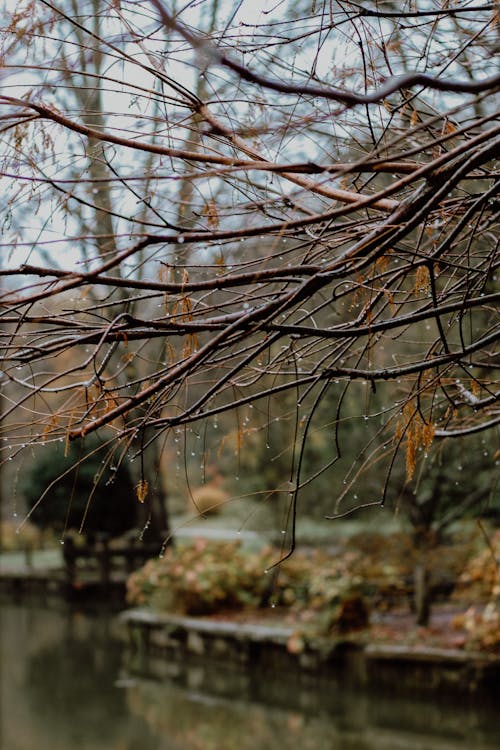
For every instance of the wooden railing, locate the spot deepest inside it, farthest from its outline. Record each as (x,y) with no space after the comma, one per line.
(105,561)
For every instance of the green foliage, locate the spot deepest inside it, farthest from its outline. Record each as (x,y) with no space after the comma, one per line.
(456,481)
(80,490)
(347,453)
(278,436)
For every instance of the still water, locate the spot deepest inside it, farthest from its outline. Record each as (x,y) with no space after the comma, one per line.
(66,683)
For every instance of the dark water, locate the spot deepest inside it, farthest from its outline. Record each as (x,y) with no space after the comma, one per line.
(67,684)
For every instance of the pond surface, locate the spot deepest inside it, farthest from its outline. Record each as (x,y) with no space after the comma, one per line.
(66,684)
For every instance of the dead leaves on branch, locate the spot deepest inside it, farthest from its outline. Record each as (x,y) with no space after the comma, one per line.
(422,280)
(211,213)
(142,490)
(417,432)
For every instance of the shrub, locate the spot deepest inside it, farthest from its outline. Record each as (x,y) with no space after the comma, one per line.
(482,626)
(80,493)
(335,596)
(29,537)
(206,577)
(480,580)
(482,572)
(203,577)
(207,499)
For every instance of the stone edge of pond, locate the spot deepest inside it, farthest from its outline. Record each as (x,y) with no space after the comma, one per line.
(266,648)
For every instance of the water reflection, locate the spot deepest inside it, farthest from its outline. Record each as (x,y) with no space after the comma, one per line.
(58,684)
(314,719)
(64,686)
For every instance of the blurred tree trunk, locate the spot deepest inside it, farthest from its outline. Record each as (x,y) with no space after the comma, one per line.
(421,594)
(152,516)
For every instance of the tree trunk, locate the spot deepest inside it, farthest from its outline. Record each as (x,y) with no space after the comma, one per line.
(421,593)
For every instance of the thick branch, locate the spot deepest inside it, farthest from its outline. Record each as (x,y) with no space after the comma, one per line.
(344,96)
